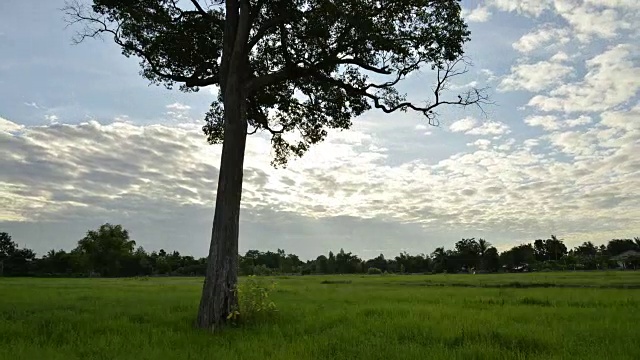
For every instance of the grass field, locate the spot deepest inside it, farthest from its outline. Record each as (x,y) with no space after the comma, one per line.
(511,316)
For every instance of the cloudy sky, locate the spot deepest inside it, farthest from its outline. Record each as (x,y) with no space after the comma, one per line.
(85,140)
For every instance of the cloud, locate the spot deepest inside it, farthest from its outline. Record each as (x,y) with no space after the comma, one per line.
(587,18)
(491,76)
(158,173)
(424,129)
(179,112)
(547,122)
(544,36)
(526,7)
(51,118)
(463,125)
(482,144)
(178,107)
(478,14)
(612,79)
(603,20)
(471,126)
(9,127)
(535,77)
(32,104)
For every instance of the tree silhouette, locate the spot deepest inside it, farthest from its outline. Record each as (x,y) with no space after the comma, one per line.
(281,66)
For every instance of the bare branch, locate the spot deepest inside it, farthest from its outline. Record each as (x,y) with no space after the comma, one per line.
(477,97)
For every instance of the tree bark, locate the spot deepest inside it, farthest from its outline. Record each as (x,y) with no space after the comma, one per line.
(219,298)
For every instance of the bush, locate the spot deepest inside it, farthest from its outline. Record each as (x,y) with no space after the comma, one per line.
(374,271)
(262,270)
(253,296)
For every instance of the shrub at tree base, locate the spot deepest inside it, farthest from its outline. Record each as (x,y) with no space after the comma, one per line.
(374,271)
(254,298)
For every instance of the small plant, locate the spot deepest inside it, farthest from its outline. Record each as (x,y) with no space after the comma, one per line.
(374,271)
(253,296)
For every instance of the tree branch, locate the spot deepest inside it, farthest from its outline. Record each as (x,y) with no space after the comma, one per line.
(265,27)
(76,13)
(200,9)
(476,97)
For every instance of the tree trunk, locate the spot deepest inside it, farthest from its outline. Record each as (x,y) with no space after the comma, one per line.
(219,298)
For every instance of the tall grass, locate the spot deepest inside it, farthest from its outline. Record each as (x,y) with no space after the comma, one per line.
(515,316)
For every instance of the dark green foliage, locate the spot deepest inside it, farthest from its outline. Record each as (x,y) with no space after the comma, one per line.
(303,66)
(550,249)
(13,260)
(109,252)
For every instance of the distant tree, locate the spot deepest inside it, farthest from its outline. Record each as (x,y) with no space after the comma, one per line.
(540,250)
(491,260)
(413,263)
(549,249)
(322,266)
(13,260)
(7,250)
(586,249)
(517,256)
(343,57)
(331,263)
(439,259)
(585,255)
(556,248)
(618,246)
(107,249)
(378,262)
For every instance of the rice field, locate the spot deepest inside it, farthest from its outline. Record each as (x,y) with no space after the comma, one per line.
(571,315)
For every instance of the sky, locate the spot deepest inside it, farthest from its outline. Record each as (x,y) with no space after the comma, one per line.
(85,140)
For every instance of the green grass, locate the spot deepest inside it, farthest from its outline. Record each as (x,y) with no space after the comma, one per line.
(512,316)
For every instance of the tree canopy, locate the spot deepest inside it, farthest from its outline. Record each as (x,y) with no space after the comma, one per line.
(305,66)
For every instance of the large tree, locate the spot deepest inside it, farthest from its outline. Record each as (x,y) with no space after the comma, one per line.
(282,67)
(107,249)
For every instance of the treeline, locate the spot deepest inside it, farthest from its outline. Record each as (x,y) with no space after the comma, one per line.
(109,252)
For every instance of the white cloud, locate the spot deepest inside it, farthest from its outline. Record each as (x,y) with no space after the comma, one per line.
(581,120)
(424,129)
(547,122)
(560,56)
(544,36)
(490,128)
(51,118)
(611,80)
(552,122)
(478,14)
(154,172)
(588,18)
(471,126)
(527,7)
(463,125)
(8,126)
(178,107)
(482,144)
(32,104)
(179,112)
(491,76)
(535,77)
